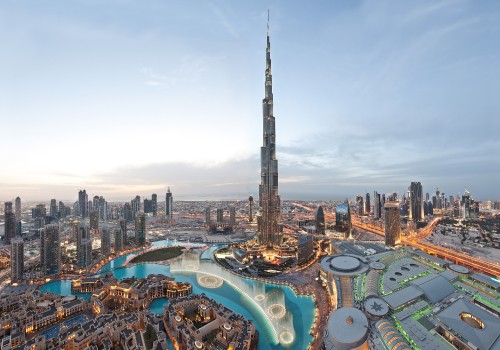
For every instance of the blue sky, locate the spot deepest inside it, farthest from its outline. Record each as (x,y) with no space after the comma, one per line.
(129,97)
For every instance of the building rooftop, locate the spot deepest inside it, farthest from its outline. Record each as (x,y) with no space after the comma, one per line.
(472,323)
(434,286)
(490,281)
(347,328)
(402,296)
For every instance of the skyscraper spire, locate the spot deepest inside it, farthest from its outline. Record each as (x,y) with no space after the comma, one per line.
(269,199)
(267,22)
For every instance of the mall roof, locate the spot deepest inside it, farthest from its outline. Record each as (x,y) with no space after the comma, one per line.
(402,296)
(495,284)
(434,286)
(486,338)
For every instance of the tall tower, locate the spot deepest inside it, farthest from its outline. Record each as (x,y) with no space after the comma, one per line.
(269,200)
(392,226)
(118,236)
(140,229)
(250,210)
(320,221)
(105,241)
(208,220)
(50,246)
(16,259)
(232,216)
(361,205)
(123,230)
(220,215)
(168,205)
(154,205)
(367,204)
(10,223)
(416,202)
(18,208)
(83,245)
(83,199)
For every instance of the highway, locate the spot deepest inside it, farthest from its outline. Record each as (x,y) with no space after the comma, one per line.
(459,258)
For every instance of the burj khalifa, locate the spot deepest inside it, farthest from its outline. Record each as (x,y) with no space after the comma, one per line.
(269,234)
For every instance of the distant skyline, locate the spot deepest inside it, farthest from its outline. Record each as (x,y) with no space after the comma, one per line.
(130,97)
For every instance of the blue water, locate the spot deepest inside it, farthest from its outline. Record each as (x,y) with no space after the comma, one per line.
(54,331)
(157,305)
(302,307)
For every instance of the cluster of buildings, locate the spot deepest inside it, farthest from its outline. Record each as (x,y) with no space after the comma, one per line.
(128,294)
(115,313)
(222,224)
(25,311)
(197,322)
(47,226)
(406,299)
(99,208)
(414,206)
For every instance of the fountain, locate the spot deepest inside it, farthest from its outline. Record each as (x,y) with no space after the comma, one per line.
(271,304)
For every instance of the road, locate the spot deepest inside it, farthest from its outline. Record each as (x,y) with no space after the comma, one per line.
(441,252)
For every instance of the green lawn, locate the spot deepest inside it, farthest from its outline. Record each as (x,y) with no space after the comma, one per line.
(158,255)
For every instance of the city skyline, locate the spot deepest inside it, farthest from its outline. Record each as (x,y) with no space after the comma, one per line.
(369,96)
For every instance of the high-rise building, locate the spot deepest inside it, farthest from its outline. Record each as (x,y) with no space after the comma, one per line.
(53,209)
(377,212)
(154,199)
(438,199)
(127,212)
(16,259)
(50,244)
(148,206)
(343,221)
(140,229)
(105,242)
(416,203)
(83,203)
(123,230)
(18,208)
(269,233)
(220,215)
(83,246)
(63,210)
(361,205)
(392,227)
(103,209)
(135,204)
(208,220)
(118,236)
(169,203)
(95,204)
(94,220)
(10,223)
(39,211)
(250,209)
(232,216)
(320,221)
(86,253)
(466,205)
(367,204)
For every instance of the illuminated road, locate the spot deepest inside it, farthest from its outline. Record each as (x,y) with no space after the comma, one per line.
(441,252)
